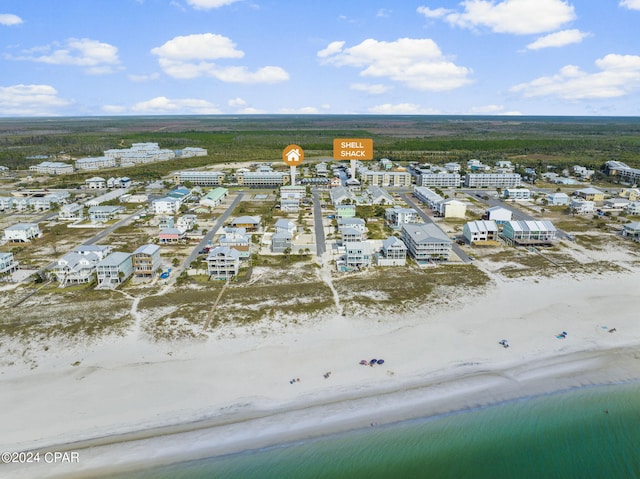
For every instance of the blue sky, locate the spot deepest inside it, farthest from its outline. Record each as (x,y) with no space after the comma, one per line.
(139,57)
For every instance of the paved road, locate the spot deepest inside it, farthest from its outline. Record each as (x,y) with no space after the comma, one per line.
(427,219)
(123,222)
(207,238)
(321,246)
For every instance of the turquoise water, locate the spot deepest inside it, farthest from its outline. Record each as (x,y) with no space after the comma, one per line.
(587,433)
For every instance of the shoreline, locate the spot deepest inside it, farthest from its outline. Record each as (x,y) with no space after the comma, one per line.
(448,394)
(132,404)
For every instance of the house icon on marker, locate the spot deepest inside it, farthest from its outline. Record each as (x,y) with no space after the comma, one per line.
(293,156)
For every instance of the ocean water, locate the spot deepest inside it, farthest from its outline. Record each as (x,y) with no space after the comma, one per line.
(591,432)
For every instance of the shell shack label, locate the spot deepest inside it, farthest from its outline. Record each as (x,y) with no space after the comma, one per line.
(353,149)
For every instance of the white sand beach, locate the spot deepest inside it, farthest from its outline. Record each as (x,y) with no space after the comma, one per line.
(130,402)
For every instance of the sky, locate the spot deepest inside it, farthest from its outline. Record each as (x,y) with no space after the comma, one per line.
(233,57)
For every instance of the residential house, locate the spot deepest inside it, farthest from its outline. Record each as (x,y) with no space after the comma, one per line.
(516,194)
(342,195)
(350,235)
(581,206)
(290,205)
(223,263)
(393,253)
(632,230)
(396,217)
(529,232)
(632,194)
(187,222)
(95,183)
(321,169)
(8,264)
(358,254)
(6,203)
(345,211)
(280,241)
(146,260)
(71,211)
(377,196)
(633,208)
(75,268)
(451,208)
(93,249)
(237,239)
(284,225)
(102,214)
(355,223)
(165,206)
(214,197)
(296,192)
(498,214)
(616,203)
(165,222)
(427,196)
(114,270)
(480,231)
(557,199)
(250,223)
(590,194)
(21,232)
(426,242)
(335,182)
(171,235)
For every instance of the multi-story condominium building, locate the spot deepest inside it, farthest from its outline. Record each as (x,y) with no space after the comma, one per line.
(440,180)
(479,231)
(262,178)
(97,163)
(427,196)
(6,203)
(385,178)
(200,178)
(426,242)
(21,232)
(396,217)
(52,168)
(223,263)
(75,268)
(146,260)
(95,183)
(8,264)
(529,232)
(191,151)
(358,254)
(516,194)
(622,171)
(393,253)
(114,270)
(139,153)
(492,180)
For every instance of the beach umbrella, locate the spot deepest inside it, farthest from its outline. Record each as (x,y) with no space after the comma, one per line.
(373,361)
(380,361)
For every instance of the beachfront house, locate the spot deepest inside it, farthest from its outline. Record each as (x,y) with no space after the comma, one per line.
(21,232)
(358,254)
(580,206)
(480,231)
(93,249)
(529,233)
(350,235)
(426,242)
(223,263)
(281,241)
(8,264)
(165,206)
(114,270)
(75,268)
(146,260)
(393,252)
(632,230)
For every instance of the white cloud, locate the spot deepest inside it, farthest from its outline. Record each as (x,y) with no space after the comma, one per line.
(402,109)
(191,57)
(371,89)
(236,102)
(96,57)
(305,110)
(558,39)
(143,78)
(114,109)
(383,13)
(209,4)
(520,17)
(487,109)
(9,19)
(630,4)
(30,100)
(162,104)
(416,63)
(250,111)
(619,75)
